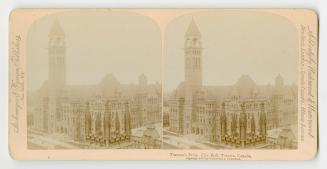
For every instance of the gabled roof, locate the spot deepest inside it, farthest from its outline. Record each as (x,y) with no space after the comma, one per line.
(245,87)
(108,87)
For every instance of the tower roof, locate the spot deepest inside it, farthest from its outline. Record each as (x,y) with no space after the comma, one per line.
(245,86)
(142,76)
(56,29)
(279,77)
(245,81)
(193,29)
(110,79)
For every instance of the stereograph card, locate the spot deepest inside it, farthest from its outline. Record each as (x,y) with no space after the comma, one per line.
(163,84)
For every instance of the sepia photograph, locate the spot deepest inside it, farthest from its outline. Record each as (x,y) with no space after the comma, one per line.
(230,83)
(94,82)
(163,84)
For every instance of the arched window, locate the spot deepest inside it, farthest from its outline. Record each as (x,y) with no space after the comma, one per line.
(188,42)
(195,42)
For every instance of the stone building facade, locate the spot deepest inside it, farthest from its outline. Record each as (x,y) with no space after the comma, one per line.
(238,115)
(102,114)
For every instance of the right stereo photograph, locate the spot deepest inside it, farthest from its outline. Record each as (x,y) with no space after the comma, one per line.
(230,81)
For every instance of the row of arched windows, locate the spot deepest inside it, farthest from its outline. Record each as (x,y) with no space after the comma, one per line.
(193,62)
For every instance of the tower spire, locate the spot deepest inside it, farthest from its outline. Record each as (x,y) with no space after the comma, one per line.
(193,29)
(56,29)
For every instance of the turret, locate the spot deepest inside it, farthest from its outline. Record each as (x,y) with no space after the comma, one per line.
(107,122)
(143,80)
(88,120)
(279,82)
(263,120)
(117,125)
(223,120)
(128,127)
(253,129)
(234,125)
(243,120)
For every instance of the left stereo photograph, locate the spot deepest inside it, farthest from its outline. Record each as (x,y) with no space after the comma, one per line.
(93,81)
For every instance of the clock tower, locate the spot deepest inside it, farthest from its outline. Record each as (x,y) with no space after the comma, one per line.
(57,57)
(193,56)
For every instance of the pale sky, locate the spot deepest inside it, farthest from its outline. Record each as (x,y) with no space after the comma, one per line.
(98,43)
(234,43)
(126,45)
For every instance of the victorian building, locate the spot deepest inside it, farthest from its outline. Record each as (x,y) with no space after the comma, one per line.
(238,115)
(103,114)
